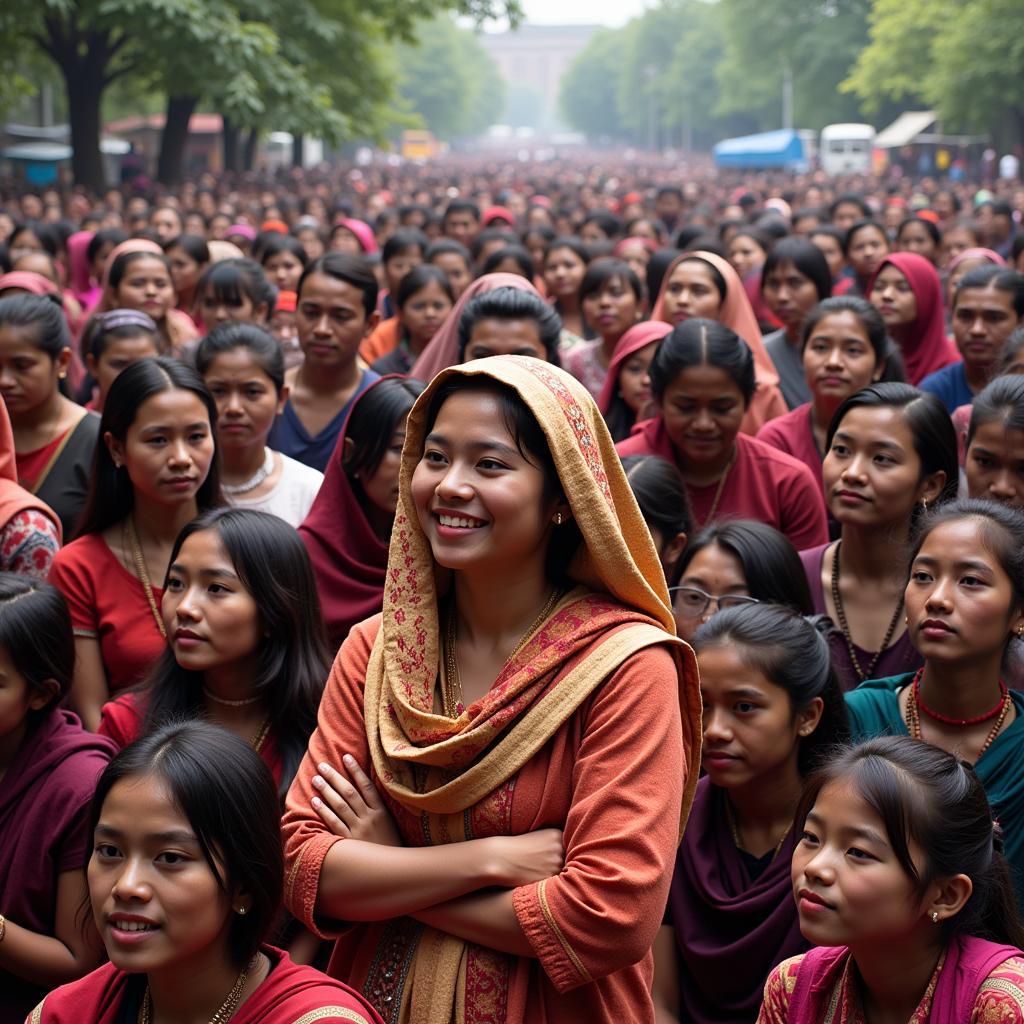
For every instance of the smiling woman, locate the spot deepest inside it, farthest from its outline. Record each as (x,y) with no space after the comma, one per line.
(185,881)
(525,648)
(154,469)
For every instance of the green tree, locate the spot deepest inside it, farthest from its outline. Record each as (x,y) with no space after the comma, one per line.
(964,60)
(467,97)
(588,92)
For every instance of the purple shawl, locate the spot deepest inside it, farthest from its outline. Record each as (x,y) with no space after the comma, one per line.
(969,962)
(730,931)
(44,803)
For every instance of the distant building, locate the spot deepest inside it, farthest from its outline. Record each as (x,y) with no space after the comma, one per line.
(532,60)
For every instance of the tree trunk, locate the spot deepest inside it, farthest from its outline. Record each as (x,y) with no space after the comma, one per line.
(298,144)
(231,133)
(249,153)
(171,165)
(84,85)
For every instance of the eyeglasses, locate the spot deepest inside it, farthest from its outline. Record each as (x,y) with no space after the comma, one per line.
(692,602)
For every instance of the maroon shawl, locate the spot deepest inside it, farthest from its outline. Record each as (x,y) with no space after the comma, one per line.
(348,558)
(44,801)
(730,930)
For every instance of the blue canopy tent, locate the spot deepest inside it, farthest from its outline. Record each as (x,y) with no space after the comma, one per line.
(783,148)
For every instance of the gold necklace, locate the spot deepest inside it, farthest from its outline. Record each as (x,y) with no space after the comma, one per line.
(734,830)
(721,487)
(451,689)
(227,1008)
(143,574)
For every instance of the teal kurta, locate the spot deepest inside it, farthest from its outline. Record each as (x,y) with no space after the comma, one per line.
(873,710)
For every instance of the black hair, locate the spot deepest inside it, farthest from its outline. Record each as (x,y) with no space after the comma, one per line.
(715,274)
(849,199)
(700,342)
(293,661)
(930,227)
(609,225)
(111,495)
(36,633)
(418,278)
(670,190)
(376,415)
(1011,350)
(263,348)
(545,231)
(225,791)
(806,258)
(192,245)
(832,232)
(462,206)
(931,800)
(1003,279)
(353,270)
(771,565)
(448,247)
(119,268)
(43,316)
(1002,533)
(756,235)
(657,268)
(504,235)
(118,325)
(661,494)
(869,317)
(806,212)
(272,243)
(232,281)
(521,257)
(165,206)
(46,234)
(930,426)
(508,303)
(107,236)
(530,440)
(792,652)
(602,272)
(855,229)
(402,241)
(1017,247)
(572,244)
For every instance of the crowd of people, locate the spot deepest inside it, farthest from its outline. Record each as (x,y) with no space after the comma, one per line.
(512,592)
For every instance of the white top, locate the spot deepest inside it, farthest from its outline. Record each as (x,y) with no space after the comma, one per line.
(291,499)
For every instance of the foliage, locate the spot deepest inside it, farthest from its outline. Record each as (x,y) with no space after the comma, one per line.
(588,97)
(464,98)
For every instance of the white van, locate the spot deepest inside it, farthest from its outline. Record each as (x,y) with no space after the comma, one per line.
(846,148)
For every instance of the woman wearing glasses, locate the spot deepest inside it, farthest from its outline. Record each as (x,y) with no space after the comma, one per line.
(736,563)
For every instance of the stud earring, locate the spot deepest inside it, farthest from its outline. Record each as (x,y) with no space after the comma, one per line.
(558,519)
(1020,631)
(924,505)
(935,917)
(241,911)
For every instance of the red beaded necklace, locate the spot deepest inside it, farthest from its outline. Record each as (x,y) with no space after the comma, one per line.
(938,716)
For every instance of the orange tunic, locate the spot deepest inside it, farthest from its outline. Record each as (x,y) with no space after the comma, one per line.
(611,777)
(384,338)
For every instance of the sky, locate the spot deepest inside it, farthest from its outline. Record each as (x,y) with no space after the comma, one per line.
(611,13)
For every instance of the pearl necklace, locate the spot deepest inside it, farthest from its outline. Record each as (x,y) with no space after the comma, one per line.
(255,480)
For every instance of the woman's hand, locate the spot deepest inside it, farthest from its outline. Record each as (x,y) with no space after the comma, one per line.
(519,860)
(353,809)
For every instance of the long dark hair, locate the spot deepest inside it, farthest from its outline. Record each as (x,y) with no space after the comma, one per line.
(273,566)
(1001,401)
(934,801)
(111,494)
(700,342)
(930,426)
(661,494)
(792,652)
(224,789)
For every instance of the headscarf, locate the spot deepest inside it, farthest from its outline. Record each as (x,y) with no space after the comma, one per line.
(362,231)
(349,562)
(433,765)
(737,314)
(28,281)
(221,249)
(977,253)
(494,213)
(79,281)
(442,350)
(620,245)
(13,497)
(637,337)
(923,343)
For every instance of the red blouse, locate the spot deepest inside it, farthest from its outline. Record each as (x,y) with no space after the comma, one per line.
(109,604)
(794,435)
